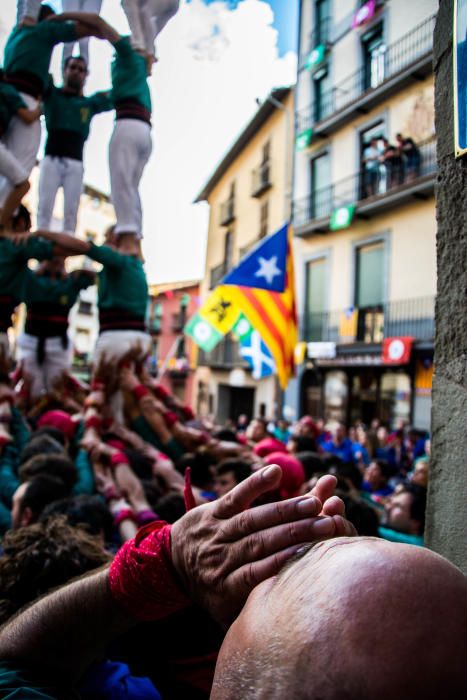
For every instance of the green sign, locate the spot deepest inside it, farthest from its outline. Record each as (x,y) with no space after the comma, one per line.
(243,328)
(303,139)
(316,57)
(342,217)
(202,333)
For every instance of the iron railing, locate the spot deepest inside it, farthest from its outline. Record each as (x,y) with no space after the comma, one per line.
(408,317)
(358,188)
(320,36)
(226,354)
(227,212)
(261,179)
(397,57)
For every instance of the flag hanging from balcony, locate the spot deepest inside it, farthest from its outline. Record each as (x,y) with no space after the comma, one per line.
(271,313)
(265,267)
(256,353)
(214,319)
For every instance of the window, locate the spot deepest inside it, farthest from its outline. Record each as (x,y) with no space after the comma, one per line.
(264,219)
(228,250)
(320,201)
(315,300)
(322,15)
(369,291)
(321,88)
(374,57)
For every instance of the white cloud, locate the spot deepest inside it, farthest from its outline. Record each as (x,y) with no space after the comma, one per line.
(213,64)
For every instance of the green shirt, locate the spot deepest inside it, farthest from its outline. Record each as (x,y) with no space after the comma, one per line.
(129,75)
(29,48)
(394,536)
(122,281)
(64,292)
(65,110)
(10,102)
(14,271)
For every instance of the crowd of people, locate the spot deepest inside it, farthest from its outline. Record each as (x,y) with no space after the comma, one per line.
(179,529)
(387,165)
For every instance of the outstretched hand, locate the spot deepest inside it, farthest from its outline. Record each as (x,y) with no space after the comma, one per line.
(222,550)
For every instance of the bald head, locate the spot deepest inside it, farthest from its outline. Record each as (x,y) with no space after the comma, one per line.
(357,618)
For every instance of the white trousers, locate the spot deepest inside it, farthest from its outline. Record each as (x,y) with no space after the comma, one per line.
(22,140)
(42,378)
(147,18)
(58,172)
(27,8)
(129,150)
(79,6)
(10,167)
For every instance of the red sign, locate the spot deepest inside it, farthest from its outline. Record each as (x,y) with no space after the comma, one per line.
(364,14)
(397,351)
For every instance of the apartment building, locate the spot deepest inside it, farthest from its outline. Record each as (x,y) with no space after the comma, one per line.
(174,355)
(364,210)
(249,198)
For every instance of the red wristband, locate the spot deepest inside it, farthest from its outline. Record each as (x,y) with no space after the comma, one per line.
(140,391)
(170,418)
(97,385)
(93,422)
(188,413)
(111,494)
(142,578)
(126,514)
(146,516)
(119,458)
(160,392)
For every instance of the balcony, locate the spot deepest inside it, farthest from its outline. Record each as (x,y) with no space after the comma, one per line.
(312,214)
(227,212)
(261,179)
(216,274)
(408,317)
(178,322)
(226,355)
(320,36)
(407,60)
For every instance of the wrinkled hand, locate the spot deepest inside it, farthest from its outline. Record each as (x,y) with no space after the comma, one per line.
(222,551)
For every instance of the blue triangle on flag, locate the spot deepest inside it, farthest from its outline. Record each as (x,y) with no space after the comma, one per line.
(254,350)
(265,266)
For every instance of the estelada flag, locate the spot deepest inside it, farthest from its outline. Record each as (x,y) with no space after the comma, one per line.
(271,313)
(397,351)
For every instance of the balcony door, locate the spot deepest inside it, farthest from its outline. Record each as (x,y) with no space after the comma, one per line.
(320,200)
(369,291)
(374,57)
(315,300)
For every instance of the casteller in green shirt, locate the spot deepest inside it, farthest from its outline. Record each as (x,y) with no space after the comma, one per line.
(10,102)
(29,49)
(122,289)
(129,75)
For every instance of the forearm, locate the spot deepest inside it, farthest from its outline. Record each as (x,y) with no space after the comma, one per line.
(59,636)
(70,244)
(99,26)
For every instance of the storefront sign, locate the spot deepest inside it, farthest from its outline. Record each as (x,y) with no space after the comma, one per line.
(342,217)
(364,14)
(397,351)
(317,351)
(303,139)
(353,361)
(460,77)
(316,57)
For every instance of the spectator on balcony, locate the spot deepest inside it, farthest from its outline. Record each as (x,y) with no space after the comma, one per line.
(411,155)
(392,160)
(371,163)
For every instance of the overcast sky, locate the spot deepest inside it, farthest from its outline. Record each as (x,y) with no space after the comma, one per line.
(215,59)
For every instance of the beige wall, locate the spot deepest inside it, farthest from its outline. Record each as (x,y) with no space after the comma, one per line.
(247,208)
(410,233)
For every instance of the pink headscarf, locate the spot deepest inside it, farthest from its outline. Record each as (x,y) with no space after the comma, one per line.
(60,420)
(293,474)
(263,448)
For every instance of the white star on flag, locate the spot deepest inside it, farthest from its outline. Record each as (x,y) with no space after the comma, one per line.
(268,269)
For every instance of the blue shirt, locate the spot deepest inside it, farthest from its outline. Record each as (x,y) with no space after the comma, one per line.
(343,451)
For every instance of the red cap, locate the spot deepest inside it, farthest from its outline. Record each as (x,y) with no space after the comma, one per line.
(60,420)
(263,448)
(293,474)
